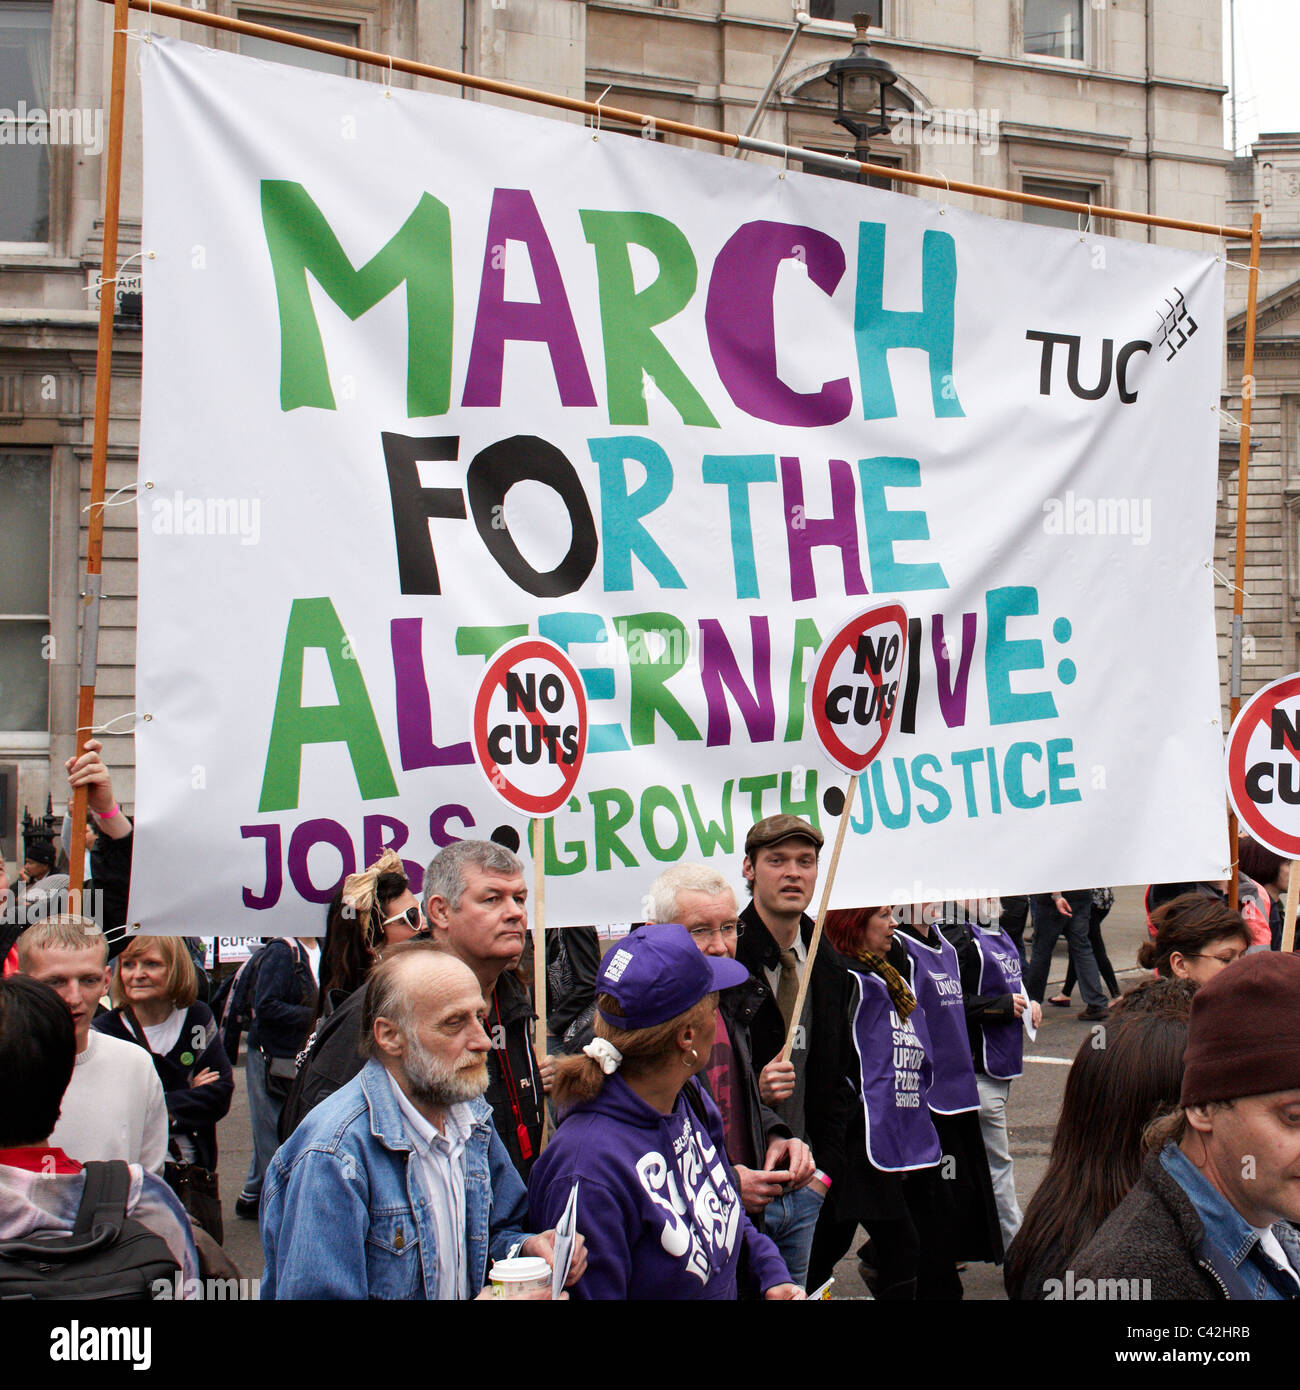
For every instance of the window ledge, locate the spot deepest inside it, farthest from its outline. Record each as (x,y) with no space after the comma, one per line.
(23,743)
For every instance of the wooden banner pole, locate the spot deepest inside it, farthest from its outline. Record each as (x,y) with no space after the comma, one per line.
(849,794)
(539,955)
(1239,564)
(1288,917)
(90,593)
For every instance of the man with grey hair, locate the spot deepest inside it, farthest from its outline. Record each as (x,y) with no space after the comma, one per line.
(476,904)
(398,1186)
(778,1180)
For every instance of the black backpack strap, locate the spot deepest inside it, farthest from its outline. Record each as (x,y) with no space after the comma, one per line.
(136,1028)
(104,1197)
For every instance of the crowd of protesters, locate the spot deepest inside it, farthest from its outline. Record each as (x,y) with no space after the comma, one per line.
(735,1105)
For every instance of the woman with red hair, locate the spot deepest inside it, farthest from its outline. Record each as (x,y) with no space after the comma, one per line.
(890,1184)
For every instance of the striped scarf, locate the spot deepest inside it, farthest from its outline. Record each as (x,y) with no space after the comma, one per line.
(900,995)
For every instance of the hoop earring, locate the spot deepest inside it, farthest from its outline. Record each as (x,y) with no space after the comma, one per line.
(691,1058)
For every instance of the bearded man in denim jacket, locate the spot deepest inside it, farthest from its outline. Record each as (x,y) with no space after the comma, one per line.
(398,1186)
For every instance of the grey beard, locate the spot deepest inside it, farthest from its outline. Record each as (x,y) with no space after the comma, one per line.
(431,1082)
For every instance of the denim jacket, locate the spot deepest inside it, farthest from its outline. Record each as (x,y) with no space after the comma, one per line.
(1231,1244)
(345,1215)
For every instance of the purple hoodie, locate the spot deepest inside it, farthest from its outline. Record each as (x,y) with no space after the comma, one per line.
(657,1200)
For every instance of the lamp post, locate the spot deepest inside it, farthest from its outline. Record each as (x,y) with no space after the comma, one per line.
(861,85)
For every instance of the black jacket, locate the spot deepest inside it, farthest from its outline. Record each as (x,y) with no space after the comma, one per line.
(981,1009)
(330,1064)
(512,1069)
(830,1093)
(572,963)
(514,1085)
(284,1000)
(762,1124)
(110,875)
(192,1111)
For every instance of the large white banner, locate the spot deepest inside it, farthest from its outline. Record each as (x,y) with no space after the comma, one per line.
(423,377)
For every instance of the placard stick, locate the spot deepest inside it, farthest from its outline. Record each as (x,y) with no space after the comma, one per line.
(1288,917)
(539,956)
(849,794)
(539,939)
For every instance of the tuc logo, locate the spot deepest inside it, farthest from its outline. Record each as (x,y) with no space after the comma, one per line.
(1263,766)
(530,725)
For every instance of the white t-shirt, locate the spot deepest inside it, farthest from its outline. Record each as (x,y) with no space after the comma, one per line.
(114,1106)
(165,1035)
(313,960)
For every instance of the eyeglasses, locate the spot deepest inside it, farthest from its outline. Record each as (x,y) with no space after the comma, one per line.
(729,931)
(1223,960)
(412,918)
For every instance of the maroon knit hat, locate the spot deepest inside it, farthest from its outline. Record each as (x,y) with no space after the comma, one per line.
(1243,1038)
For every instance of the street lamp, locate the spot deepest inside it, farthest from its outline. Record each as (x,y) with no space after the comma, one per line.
(861,85)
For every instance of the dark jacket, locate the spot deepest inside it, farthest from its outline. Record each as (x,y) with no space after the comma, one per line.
(192,1111)
(284,1000)
(1156,1234)
(512,1069)
(572,962)
(330,1064)
(830,1093)
(110,875)
(981,1009)
(761,1124)
(514,1085)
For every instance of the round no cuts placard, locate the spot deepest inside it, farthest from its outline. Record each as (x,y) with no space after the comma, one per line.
(530,726)
(1263,763)
(854,691)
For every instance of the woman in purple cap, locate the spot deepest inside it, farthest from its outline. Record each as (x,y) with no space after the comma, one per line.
(657,1200)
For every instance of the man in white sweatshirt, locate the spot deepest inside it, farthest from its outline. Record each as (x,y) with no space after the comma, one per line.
(114,1105)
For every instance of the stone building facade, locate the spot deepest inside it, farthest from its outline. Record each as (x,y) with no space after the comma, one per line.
(1267,182)
(1113,102)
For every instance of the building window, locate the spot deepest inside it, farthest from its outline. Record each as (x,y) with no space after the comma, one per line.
(308,58)
(1057,217)
(1054,28)
(25,121)
(844,10)
(25,653)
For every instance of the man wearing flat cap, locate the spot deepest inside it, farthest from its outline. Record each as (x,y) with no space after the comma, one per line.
(811,1092)
(1211,1215)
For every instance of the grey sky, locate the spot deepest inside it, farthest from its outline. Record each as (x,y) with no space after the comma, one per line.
(1268,45)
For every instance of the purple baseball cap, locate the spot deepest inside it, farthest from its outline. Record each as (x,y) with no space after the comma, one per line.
(658,972)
